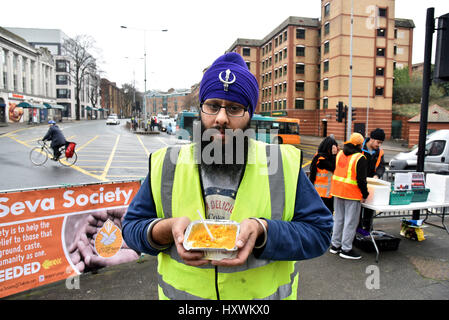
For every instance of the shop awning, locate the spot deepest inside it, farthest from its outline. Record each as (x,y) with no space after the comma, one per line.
(101,109)
(31,106)
(88,108)
(54,106)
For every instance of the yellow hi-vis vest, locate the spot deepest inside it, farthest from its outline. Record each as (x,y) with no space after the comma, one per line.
(266,190)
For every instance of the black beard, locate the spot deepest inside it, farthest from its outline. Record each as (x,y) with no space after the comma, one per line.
(229,162)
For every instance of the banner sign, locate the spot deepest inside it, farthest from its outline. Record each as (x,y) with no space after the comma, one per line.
(47,235)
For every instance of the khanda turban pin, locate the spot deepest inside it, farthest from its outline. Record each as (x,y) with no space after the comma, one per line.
(226,81)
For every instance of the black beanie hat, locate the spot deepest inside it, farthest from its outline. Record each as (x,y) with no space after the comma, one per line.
(377,134)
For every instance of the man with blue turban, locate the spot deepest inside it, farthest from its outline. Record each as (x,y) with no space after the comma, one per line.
(280,215)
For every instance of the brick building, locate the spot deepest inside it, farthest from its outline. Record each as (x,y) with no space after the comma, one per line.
(303,65)
(113,99)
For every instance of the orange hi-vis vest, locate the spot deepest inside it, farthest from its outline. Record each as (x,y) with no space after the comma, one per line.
(323,181)
(344,181)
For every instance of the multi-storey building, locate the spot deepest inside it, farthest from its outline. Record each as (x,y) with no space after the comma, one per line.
(27,81)
(168,103)
(54,39)
(113,99)
(302,66)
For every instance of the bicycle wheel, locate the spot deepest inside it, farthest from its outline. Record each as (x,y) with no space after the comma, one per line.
(68,162)
(38,156)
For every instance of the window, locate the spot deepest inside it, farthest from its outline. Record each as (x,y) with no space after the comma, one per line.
(326,84)
(285,69)
(435,148)
(285,35)
(285,53)
(326,47)
(246,52)
(326,66)
(62,93)
(285,86)
(327,9)
(326,28)
(380,71)
(381,52)
(299,103)
(300,51)
(62,66)
(276,42)
(300,68)
(395,49)
(299,86)
(325,103)
(379,91)
(381,32)
(248,64)
(382,12)
(300,33)
(61,79)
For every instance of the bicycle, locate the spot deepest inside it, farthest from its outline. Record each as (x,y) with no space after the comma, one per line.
(39,155)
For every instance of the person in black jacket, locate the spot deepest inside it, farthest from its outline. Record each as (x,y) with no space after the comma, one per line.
(323,164)
(375,161)
(57,139)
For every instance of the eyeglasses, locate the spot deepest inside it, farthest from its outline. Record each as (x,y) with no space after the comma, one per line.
(231,111)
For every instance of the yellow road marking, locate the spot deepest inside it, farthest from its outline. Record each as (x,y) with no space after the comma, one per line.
(111,156)
(143,146)
(306,164)
(86,144)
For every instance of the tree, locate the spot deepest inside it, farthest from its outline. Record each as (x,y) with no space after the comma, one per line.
(132,98)
(81,63)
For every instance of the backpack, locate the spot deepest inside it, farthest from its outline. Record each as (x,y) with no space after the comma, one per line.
(70,149)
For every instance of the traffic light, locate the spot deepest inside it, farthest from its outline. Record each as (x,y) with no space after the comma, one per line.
(442,50)
(353,114)
(339,113)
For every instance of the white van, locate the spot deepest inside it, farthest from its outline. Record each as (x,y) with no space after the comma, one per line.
(437,154)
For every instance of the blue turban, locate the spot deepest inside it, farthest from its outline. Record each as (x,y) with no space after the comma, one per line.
(229,78)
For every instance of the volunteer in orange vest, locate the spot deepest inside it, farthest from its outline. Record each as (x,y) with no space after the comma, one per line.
(375,156)
(322,168)
(349,189)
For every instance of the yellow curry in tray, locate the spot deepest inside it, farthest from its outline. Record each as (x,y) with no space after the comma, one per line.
(224,236)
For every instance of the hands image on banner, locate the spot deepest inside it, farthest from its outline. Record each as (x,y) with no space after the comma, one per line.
(81,232)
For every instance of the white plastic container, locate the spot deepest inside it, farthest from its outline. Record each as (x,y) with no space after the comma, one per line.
(379,192)
(439,187)
(212,253)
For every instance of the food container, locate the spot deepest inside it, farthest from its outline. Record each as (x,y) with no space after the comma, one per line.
(379,191)
(225,233)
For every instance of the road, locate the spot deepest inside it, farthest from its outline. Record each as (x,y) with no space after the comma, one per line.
(105,153)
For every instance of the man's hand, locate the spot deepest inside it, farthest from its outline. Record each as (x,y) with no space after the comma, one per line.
(250,230)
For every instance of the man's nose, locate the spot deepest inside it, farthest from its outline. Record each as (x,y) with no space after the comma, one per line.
(222,117)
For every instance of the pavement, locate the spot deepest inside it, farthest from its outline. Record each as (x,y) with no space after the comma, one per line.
(415,271)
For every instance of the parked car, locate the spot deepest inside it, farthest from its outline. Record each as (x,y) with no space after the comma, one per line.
(112,119)
(436,154)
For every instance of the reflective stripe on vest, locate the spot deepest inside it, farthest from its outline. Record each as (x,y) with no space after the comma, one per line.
(262,193)
(323,181)
(344,183)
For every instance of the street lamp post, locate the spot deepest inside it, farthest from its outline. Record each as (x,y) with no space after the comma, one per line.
(145,65)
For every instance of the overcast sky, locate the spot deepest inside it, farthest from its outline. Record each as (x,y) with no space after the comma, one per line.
(198,30)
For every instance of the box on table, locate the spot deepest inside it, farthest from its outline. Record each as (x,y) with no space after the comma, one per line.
(379,191)
(439,187)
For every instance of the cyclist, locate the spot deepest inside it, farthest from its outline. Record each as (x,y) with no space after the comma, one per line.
(57,139)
